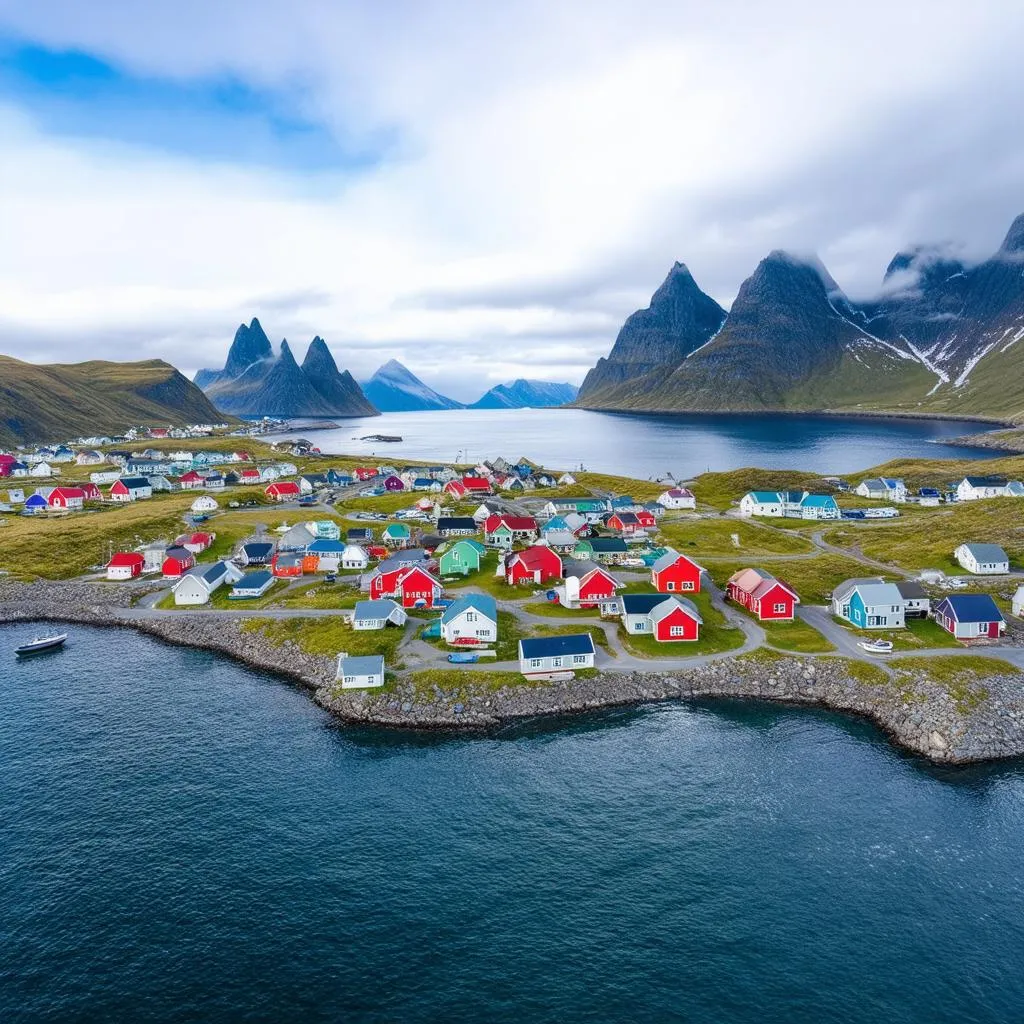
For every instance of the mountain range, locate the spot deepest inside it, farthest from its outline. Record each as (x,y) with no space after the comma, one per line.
(526,394)
(395,388)
(940,338)
(62,401)
(255,382)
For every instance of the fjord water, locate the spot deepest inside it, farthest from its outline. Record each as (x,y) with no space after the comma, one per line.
(183,839)
(652,446)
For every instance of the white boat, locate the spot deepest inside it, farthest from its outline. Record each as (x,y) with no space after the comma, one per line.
(42,644)
(876,646)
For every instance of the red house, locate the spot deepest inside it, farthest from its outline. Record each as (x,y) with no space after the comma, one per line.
(66,497)
(364,473)
(196,542)
(476,485)
(455,488)
(249,476)
(676,619)
(762,594)
(675,573)
(538,564)
(177,562)
(393,483)
(626,523)
(286,565)
(586,585)
(412,586)
(125,565)
(91,492)
(646,519)
(190,481)
(283,490)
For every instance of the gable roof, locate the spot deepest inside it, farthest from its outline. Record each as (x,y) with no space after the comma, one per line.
(556,646)
(134,481)
(533,557)
(911,590)
(819,501)
(986,552)
(370,610)
(367,665)
(764,497)
(668,605)
(254,580)
(456,523)
(985,481)
(970,608)
(482,603)
(640,604)
(848,586)
(607,545)
(669,559)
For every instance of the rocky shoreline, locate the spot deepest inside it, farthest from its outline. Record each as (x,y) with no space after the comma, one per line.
(1009,441)
(983,721)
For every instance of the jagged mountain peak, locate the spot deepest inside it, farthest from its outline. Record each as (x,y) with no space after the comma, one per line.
(319,359)
(1014,241)
(395,388)
(250,345)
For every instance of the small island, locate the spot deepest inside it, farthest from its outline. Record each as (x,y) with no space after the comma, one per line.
(464,598)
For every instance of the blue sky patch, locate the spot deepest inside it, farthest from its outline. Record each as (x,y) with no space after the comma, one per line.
(218,119)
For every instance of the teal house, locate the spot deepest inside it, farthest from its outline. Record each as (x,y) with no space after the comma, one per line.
(326,529)
(396,535)
(462,558)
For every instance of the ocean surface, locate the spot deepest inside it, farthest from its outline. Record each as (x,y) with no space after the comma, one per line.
(651,446)
(182,839)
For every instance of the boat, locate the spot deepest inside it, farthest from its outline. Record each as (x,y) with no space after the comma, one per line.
(42,644)
(876,646)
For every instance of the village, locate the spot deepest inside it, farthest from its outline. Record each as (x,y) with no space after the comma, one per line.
(506,568)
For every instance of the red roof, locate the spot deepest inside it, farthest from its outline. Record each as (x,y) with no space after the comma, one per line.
(536,557)
(283,487)
(127,558)
(476,483)
(201,538)
(67,492)
(193,475)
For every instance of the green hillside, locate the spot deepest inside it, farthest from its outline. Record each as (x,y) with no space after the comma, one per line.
(61,401)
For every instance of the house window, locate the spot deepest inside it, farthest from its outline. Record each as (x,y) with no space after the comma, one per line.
(877,620)
(687,585)
(535,663)
(779,608)
(556,662)
(670,585)
(579,659)
(676,631)
(482,632)
(471,616)
(982,628)
(350,679)
(641,626)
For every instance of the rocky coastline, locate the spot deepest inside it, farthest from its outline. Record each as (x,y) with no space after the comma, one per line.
(1010,442)
(983,721)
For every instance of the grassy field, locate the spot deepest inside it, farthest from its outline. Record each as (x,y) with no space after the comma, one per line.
(721,490)
(554,610)
(919,635)
(485,580)
(329,636)
(940,472)
(927,540)
(796,636)
(319,595)
(69,546)
(814,579)
(712,537)
(597,633)
(642,490)
(716,635)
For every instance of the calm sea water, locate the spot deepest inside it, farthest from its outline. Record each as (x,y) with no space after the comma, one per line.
(652,446)
(183,839)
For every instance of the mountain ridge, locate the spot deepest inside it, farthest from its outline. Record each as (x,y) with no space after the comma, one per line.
(526,394)
(395,388)
(939,339)
(58,401)
(255,382)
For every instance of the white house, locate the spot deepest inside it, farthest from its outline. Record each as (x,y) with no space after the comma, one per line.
(566,480)
(677,497)
(107,476)
(884,488)
(360,673)
(983,559)
(1017,605)
(196,587)
(472,619)
(539,656)
(204,503)
(974,488)
(354,557)
(41,469)
(378,614)
(762,503)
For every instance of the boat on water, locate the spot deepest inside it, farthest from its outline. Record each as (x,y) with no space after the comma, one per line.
(42,644)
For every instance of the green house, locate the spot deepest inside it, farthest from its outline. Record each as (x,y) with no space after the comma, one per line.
(396,535)
(583,550)
(462,558)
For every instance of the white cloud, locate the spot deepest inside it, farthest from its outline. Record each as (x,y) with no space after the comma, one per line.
(581,144)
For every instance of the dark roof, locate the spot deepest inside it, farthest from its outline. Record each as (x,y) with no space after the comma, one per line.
(179,554)
(135,481)
(911,590)
(607,544)
(640,604)
(253,580)
(257,548)
(555,646)
(986,481)
(971,608)
(456,523)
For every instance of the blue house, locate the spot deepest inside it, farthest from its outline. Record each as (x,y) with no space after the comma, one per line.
(870,604)
(819,506)
(36,503)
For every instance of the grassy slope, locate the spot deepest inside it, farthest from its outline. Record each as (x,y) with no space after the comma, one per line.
(713,537)
(40,403)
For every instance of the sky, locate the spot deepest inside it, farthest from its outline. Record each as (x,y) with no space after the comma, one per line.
(482,191)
